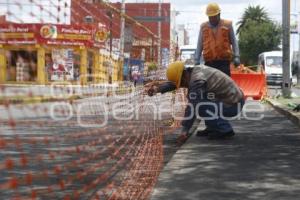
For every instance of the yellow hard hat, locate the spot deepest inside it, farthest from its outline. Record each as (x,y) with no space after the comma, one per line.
(174,72)
(212,9)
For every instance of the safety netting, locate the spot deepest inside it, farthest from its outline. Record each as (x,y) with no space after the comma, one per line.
(108,144)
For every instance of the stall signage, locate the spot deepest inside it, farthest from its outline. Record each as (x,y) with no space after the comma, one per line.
(17,34)
(51,34)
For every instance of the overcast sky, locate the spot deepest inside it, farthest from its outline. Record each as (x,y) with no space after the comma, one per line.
(192,12)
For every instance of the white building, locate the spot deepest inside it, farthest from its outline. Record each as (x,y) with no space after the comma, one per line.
(182,34)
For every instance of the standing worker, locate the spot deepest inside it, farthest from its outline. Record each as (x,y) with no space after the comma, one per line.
(215,40)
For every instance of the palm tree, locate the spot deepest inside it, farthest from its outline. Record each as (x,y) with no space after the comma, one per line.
(253,13)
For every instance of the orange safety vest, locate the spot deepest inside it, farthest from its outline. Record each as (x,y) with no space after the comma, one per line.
(216,45)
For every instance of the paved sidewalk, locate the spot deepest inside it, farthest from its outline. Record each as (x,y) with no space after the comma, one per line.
(262,162)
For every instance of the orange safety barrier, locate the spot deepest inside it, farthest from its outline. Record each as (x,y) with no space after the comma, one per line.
(65,133)
(66,159)
(252,83)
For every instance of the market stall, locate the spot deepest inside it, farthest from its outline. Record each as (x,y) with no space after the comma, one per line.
(45,53)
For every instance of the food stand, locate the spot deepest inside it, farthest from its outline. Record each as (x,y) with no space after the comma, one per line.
(45,53)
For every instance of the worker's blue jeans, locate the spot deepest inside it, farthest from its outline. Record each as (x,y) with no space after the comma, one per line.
(216,115)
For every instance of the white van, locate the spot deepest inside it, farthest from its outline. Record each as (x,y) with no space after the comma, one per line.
(187,55)
(271,63)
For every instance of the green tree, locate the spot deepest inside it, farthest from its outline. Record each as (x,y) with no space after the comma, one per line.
(253,13)
(152,66)
(257,33)
(255,38)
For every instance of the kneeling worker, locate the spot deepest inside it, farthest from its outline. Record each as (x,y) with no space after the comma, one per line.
(212,95)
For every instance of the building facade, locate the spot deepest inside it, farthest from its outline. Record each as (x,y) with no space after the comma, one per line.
(139,44)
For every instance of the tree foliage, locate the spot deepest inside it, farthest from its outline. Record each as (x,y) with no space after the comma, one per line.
(253,13)
(257,35)
(152,66)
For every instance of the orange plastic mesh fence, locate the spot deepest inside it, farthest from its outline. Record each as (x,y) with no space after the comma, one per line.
(104,147)
(66,140)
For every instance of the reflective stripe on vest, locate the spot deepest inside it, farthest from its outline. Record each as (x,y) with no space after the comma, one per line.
(216,45)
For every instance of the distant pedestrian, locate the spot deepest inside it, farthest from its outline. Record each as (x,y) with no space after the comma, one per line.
(135,76)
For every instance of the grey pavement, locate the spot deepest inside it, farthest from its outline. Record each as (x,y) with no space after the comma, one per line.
(261,162)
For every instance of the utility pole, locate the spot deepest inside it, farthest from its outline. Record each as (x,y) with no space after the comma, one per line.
(298,66)
(286,85)
(122,39)
(159,36)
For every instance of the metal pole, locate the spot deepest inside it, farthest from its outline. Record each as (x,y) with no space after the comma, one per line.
(110,38)
(110,15)
(122,40)
(286,85)
(159,36)
(298,66)
(152,49)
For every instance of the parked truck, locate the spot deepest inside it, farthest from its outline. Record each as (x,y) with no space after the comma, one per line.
(271,63)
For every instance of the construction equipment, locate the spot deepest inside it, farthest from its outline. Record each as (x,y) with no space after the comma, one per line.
(252,83)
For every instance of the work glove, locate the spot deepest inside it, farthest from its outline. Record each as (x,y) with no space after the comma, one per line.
(236,61)
(151,88)
(184,135)
(152,91)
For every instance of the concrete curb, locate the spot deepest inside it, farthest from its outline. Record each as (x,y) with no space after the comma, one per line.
(289,114)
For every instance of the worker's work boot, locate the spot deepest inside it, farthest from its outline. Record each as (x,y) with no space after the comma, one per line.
(203,133)
(215,135)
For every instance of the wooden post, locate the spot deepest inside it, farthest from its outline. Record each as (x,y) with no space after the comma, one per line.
(83,66)
(41,75)
(96,70)
(2,66)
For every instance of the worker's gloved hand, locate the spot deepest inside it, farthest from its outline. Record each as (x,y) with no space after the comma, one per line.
(184,135)
(236,61)
(151,88)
